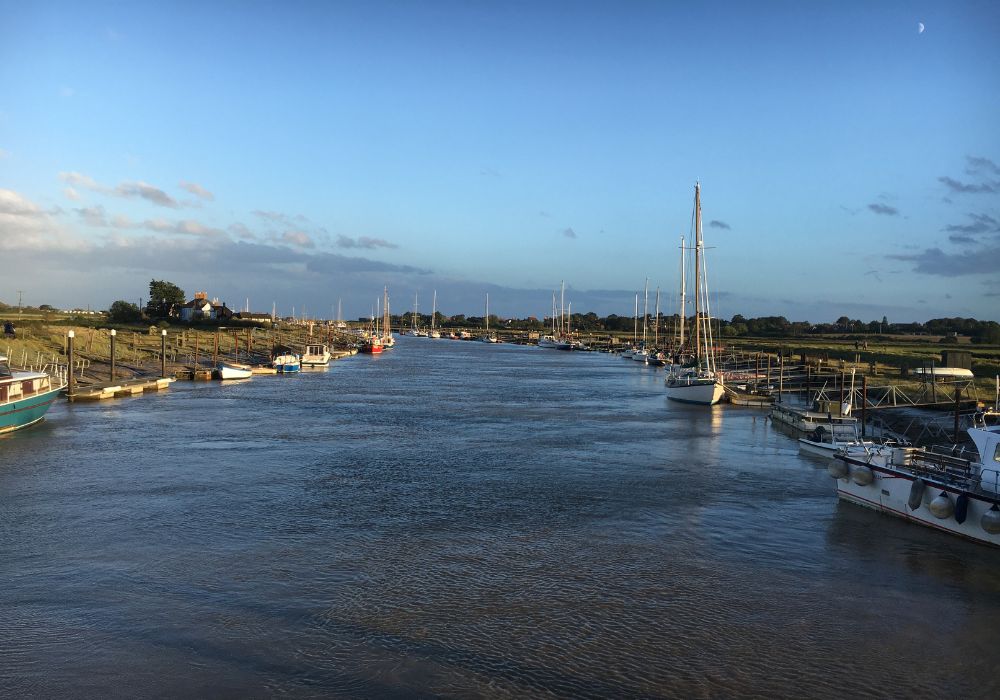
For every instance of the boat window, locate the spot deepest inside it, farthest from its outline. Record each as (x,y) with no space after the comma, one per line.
(5,370)
(996,455)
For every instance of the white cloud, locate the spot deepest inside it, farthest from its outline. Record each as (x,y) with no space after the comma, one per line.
(197,190)
(72,194)
(298,238)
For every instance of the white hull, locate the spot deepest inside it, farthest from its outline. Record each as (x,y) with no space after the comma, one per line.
(828,449)
(233,372)
(889,492)
(705,392)
(807,421)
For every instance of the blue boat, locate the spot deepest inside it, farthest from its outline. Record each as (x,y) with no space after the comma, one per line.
(24,397)
(287,363)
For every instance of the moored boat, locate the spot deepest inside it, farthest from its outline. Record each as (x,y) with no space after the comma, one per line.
(316,355)
(941,489)
(227,370)
(831,416)
(698,382)
(287,363)
(25,397)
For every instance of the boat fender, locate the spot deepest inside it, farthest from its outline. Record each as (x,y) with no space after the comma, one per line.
(942,506)
(991,520)
(838,468)
(862,476)
(961,508)
(916,494)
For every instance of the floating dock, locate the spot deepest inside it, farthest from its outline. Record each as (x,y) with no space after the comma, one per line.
(128,387)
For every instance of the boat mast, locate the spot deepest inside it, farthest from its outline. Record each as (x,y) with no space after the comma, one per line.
(697,274)
(680,342)
(635,321)
(656,323)
(434,308)
(562,307)
(487,313)
(645,312)
(553,314)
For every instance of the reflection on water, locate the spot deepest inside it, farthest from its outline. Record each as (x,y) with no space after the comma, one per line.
(463,519)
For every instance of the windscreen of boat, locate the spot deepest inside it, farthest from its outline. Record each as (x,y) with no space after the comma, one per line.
(5,370)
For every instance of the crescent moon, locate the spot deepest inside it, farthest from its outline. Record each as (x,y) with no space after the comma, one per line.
(920,27)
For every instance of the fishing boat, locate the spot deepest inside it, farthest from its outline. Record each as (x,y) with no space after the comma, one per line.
(229,370)
(24,396)
(941,488)
(698,382)
(371,345)
(316,355)
(287,363)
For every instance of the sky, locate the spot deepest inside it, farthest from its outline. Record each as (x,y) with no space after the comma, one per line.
(301,154)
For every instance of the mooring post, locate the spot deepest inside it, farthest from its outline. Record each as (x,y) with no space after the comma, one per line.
(113,334)
(71,375)
(163,353)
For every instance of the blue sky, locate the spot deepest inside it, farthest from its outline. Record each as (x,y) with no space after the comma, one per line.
(300,153)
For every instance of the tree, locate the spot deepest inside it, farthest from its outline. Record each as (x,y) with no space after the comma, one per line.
(162,296)
(124,312)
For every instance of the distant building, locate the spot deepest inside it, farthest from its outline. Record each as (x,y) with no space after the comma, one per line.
(200,308)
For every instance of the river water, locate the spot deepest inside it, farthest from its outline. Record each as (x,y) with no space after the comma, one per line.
(463,520)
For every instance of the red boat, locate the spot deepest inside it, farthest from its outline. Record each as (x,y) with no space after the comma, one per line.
(372,345)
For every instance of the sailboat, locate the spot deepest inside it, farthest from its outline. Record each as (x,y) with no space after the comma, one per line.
(434,332)
(699,382)
(387,340)
(487,337)
(642,353)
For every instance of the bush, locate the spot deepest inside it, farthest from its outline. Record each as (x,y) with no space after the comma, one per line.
(124,312)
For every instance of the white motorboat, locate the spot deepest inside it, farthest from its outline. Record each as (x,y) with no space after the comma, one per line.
(940,488)
(831,416)
(316,355)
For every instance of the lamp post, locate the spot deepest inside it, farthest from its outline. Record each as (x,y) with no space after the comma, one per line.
(71,378)
(113,334)
(163,353)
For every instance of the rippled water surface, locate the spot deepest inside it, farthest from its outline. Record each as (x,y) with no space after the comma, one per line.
(464,520)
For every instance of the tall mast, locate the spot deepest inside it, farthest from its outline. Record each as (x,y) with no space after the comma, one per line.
(553,313)
(434,308)
(680,342)
(656,323)
(697,273)
(562,308)
(635,321)
(645,311)
(487,313)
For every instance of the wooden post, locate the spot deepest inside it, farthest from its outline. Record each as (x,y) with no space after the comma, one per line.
(808,384)
(113,334)
(841,388)
(71,376)
(864,402)
(196,350)
(215,355)
(163,353)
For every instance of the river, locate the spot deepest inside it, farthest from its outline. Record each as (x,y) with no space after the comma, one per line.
(455,519)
